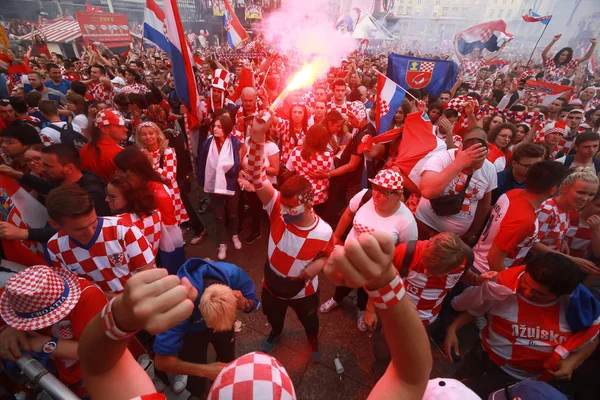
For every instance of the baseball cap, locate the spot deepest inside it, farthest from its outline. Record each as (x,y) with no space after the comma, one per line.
(448,389)
(528,390)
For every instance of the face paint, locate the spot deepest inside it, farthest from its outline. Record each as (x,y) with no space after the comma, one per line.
(292,214)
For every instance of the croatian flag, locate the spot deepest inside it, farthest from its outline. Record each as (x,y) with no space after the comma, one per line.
(489,35)
(155,29)
(389,99)
(546,92)
(236,34)
(182,60)
(533,17)
(419,143)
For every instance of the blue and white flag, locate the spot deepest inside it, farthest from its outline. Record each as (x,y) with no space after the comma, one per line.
(155,29)
(533,17)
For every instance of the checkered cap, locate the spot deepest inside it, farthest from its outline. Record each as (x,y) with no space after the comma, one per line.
(109,117)
(39,297)
(253,376)
(221,79)
(457,103)
(556,127)
(358,109)
(389,179)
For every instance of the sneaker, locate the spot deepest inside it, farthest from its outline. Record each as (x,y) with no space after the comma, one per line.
(360,321)
(158,384)
(269,343)
(253,237)
(315,356)
(178,383)
(222,252)
(329,305)
(236,242)
(198,238)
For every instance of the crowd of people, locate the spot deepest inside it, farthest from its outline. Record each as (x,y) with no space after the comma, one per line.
(500,227)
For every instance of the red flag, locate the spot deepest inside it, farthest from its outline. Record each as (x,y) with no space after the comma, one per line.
(246,80)
(418,144)
(91,8)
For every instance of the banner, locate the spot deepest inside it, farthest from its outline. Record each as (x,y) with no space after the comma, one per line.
(103,27)
(432,75)
(253,11)
(218,8)
(547,92)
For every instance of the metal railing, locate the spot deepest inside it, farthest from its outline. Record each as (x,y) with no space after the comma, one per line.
(41,378)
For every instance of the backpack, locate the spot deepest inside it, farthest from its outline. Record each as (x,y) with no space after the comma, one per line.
(411,246)
(70,136)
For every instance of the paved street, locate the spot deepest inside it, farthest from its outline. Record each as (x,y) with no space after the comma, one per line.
(338,333)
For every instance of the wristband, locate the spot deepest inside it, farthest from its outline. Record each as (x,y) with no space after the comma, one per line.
(110,327)
(387,296)
(50,345)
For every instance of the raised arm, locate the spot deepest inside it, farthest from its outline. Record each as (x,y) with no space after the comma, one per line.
(547,49)
(590,51)
(256,166)
(458,54)
(496,54)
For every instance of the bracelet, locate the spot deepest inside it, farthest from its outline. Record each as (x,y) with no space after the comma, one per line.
(110,327)
(387,296)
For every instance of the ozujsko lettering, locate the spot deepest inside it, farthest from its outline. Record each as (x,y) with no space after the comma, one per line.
(527,332)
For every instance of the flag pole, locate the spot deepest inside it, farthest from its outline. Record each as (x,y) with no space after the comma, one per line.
(401,88)
(536,43)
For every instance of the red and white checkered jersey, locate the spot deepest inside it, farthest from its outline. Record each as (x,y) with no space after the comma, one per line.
(343,109)
(292,248)
(316,162)
(115,252)
(169,172)
(554,223)
(579,236)
(469,70)
(100,93)
(521,336)
(496,157)
(287,141)
(426,292)
(554,73)
(512,227)
(455,138)
(150,227)
(135,88)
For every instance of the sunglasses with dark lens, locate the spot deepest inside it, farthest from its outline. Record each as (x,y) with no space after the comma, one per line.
(386,193)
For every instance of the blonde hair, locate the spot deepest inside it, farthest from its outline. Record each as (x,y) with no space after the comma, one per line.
(218,306)
(444,253)
(580,173)
(163,142)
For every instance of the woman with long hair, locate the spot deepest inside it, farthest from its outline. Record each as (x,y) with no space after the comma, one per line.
(218,170)
(498,144)
(76,104)
(399,116)
(133,160)
(563,65)
(131,199)
(492,121)
(292,130)
(523,130)
(313,156)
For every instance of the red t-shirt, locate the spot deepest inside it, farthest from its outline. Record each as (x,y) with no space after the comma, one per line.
(100,163)
(164,202)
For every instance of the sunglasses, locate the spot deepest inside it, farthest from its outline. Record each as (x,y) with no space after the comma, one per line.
(386,193)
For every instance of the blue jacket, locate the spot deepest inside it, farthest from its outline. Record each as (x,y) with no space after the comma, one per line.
(196,270)
(231,176)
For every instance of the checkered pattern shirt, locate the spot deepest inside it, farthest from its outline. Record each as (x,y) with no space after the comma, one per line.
(291,249)
(554,223)
(287,142)
(115,252)
(309,99)
(100,93)
(554,73)
(46,140)
(470,68)
(150,227)
(579,236)
(16,219)
(135,88)
(169,173)
(317,162)
(343,109)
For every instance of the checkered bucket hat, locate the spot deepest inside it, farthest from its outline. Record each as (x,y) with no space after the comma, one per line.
(109,117)
(388,179)
(253,376)
(357,108)
(221,79)
(38,297)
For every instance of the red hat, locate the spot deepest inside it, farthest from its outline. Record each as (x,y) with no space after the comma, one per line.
(39,297)
(253,376)
(556,127)
(388,179)
(109,117)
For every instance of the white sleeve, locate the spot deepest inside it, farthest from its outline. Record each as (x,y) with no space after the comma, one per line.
(271,149)
(408,229)
(355,201)
(561,160)
(504,102)
(438,162)
(492,178)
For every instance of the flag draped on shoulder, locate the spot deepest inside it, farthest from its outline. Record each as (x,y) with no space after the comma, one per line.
(419,143)
(434,76)
(489,35)
(533,17)
(389,100)
(182,61)
(155,28)
(236,34)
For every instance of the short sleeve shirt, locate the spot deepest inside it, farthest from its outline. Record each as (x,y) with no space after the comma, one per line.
(555,73)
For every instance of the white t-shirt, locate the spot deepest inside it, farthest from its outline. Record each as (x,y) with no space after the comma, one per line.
(401,225)
(484,180)
(80,121)
(53,134)
(270,149)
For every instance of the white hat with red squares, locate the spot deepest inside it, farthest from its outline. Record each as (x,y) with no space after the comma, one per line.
(556,127)
(39,297)
(109,117)
(358,109)
(221,79)
(388,179)
(253,376)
